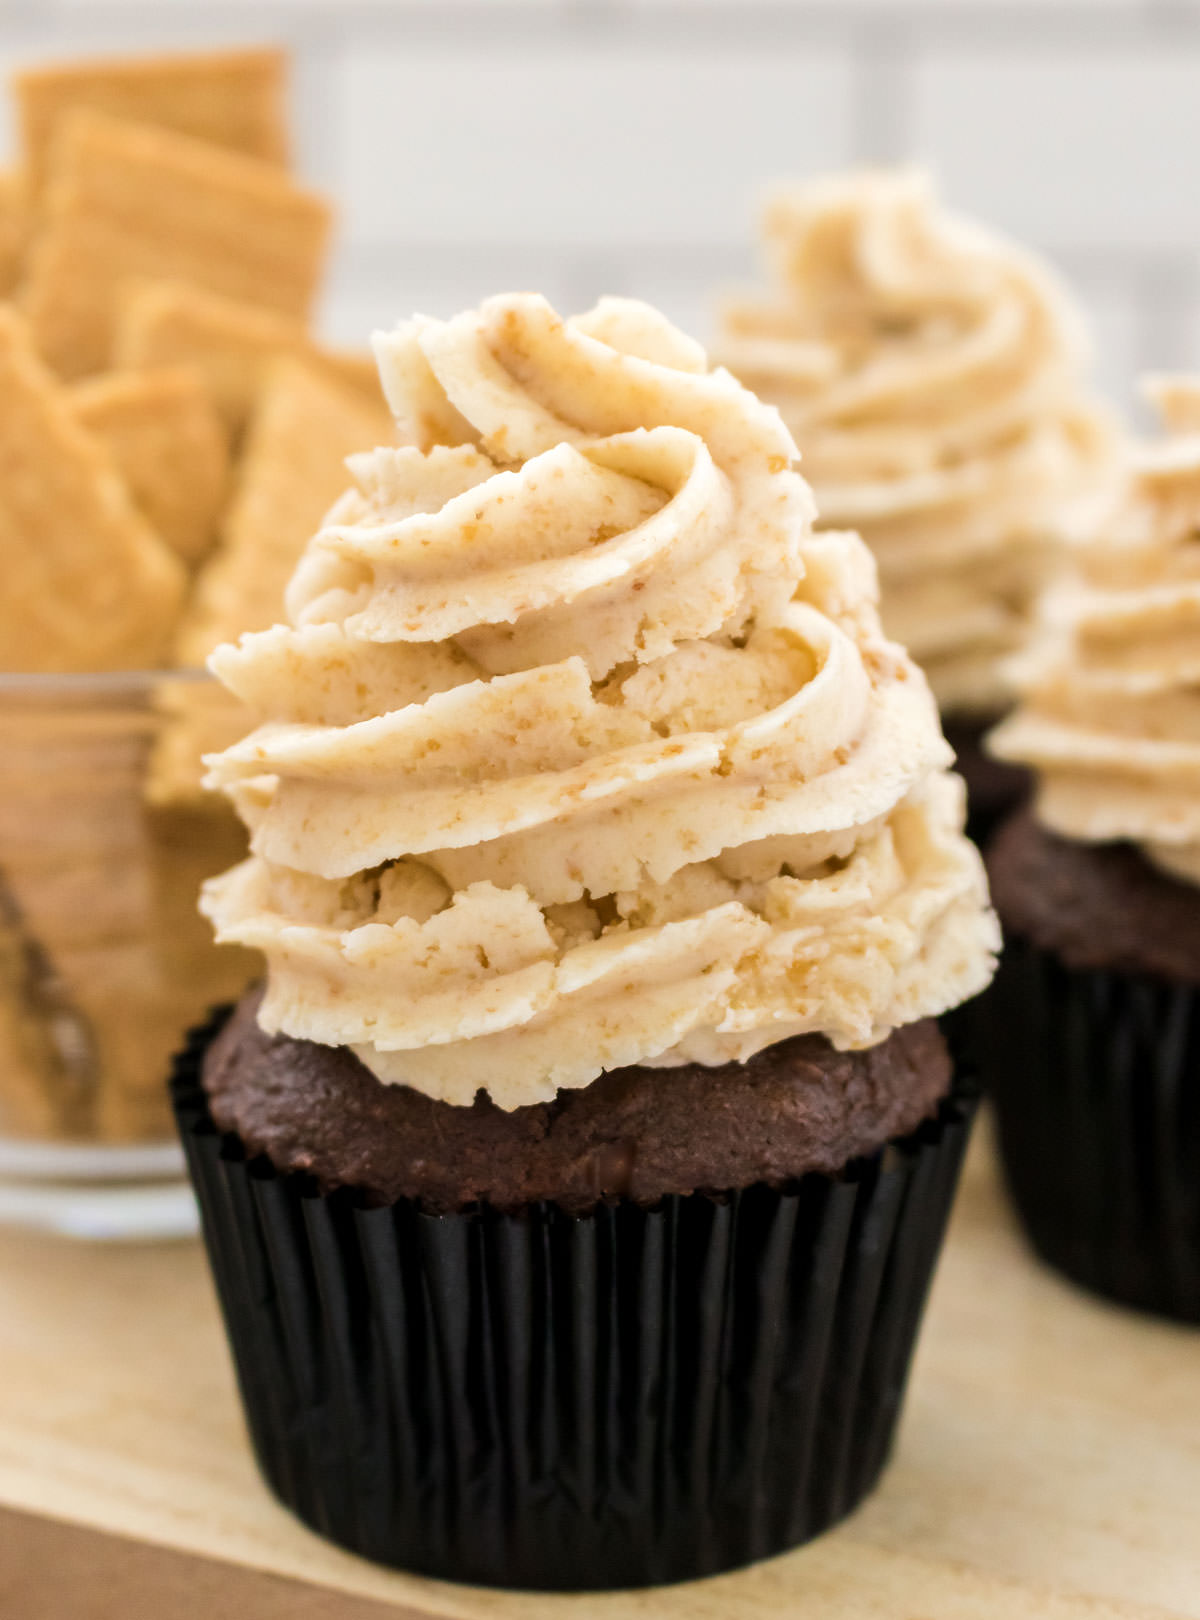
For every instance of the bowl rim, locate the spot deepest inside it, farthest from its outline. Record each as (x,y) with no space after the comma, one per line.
(89,683)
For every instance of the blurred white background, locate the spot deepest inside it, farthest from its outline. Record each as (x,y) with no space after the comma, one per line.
(579,146)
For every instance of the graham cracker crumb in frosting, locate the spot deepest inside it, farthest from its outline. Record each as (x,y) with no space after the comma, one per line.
(585,751)
(1110,713)
(932,376)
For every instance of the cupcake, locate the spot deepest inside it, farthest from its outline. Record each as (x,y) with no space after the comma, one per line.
(932,375)
(573,1185)
(1093,1026)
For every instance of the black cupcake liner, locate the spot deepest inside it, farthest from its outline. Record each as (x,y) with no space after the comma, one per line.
(547,1401)
(1096,1082)
(995,788)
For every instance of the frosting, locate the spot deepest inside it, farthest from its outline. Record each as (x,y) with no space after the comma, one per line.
(584,750)
(930,374)
(1110,712)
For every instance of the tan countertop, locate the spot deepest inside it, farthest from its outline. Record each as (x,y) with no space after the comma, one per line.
(1048,1466)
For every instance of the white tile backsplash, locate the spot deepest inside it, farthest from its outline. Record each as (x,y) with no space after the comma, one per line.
(589,145)
(362,296)
(1115,322)
(1084,148)
(918,9)
(579,146)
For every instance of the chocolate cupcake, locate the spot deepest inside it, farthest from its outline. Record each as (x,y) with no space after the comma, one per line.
(1092,1031)
(573,1188)
(933,376)
(638,1133)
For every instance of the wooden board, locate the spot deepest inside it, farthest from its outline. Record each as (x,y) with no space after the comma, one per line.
(1049,1463)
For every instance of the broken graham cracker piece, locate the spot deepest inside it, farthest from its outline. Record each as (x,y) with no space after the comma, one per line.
(169,444)
(232,344)
(15,225)
(234,99)
(88,584)
(127,200)
(292,471)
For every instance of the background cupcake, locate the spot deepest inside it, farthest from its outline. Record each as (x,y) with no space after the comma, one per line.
(1094,1023)
(609,874)
(932,376)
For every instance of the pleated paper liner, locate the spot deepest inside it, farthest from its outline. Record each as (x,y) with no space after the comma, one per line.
(1096,1081)
(545,1401)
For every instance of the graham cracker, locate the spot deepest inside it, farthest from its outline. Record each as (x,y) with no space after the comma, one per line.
(15,225)
(163,432)
(292,470)
(359,370)
(169,971)
(232,344)
(104,959)
(88,584)
(234,99)
(197,718)
(127,200)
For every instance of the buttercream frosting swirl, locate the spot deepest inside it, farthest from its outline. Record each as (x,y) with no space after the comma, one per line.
(931,375)
(584,750)
(1110,711)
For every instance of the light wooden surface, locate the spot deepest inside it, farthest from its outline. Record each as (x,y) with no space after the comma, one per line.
(1049,1463)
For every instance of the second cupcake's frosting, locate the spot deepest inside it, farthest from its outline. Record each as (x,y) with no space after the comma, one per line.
(584,750)
(1110,717)
(930,375)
